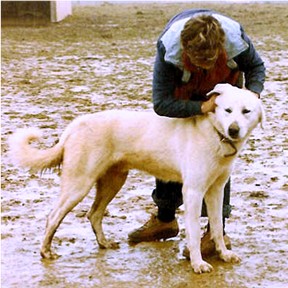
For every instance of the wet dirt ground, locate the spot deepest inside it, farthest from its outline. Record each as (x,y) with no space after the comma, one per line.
(102,58)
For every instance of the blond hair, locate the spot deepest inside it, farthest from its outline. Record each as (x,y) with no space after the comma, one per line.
(203,37)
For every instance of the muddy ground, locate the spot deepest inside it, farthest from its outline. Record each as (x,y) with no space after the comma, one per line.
(102,58)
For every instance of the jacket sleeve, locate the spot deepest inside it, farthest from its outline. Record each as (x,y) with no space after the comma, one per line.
(164,84)
(253,67)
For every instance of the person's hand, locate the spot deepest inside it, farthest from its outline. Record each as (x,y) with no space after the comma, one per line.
(209,105)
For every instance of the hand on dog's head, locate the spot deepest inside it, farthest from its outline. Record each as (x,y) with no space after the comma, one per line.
(209,105)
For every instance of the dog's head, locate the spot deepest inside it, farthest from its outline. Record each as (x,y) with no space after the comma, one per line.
(237,113)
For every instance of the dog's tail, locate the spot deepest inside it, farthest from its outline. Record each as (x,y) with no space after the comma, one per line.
(22,153)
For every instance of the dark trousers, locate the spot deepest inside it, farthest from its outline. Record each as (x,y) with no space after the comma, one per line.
(168,197)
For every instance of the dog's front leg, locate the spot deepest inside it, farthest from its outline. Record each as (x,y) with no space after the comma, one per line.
(192,205)
(214,203)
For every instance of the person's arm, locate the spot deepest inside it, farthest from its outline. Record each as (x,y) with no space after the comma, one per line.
(164,84)
(253,67)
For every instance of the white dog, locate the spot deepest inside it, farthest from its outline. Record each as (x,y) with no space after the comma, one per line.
(101,148)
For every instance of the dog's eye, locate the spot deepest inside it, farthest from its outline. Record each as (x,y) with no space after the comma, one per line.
(246,111)
(228,110)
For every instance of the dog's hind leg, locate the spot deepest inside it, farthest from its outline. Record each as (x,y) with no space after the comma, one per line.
(73,190)
(214,203)
(107,187)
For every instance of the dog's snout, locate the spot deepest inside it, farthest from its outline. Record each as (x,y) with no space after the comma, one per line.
(234,130)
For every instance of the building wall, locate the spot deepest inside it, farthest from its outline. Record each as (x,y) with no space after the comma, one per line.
(18,9)
(60,10)
(35,11)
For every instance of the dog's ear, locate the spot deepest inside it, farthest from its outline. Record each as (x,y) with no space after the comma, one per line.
(218,89)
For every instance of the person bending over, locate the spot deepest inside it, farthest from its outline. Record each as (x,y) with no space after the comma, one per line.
(197,50)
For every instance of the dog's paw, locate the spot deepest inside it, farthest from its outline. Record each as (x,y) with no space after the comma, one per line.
(201,267)
(109,245)
(230,257)
(47,254)
(114,245)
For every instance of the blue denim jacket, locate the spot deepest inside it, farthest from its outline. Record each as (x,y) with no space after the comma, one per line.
(168,67)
